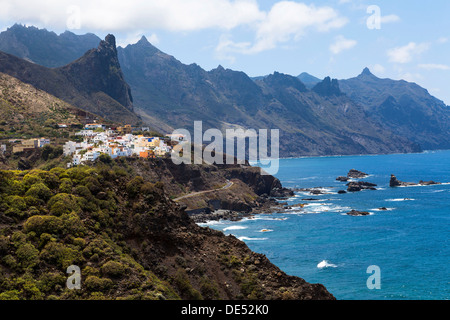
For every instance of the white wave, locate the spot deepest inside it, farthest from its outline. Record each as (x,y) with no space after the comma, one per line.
(323,207)
(211,223)
(436,191)
(266,230)
(268,218)
(401,199)
(235,228)
(326,264)
(251,239)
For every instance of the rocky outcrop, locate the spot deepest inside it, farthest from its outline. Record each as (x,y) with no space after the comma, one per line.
(356,174)
(356,213)
(328,87)
(394,182)
(428,183)
(360,185)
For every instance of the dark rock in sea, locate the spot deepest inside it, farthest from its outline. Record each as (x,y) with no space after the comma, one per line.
(428,183)
(342,192)
(343,179)
(310,199)
(356,213)
(356,174)
(382,209)
(360,185)
(394,182)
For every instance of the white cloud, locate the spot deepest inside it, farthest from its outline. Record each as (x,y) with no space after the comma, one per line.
(115,15)
(378,69)
(341,44)
(442,40)
(286,21)
(433,66)
(406,53)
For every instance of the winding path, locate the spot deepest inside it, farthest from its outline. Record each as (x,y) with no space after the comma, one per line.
(227,186)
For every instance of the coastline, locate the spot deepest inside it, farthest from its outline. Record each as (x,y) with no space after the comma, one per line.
(357,155)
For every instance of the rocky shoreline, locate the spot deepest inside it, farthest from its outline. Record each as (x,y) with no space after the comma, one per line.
(276,201)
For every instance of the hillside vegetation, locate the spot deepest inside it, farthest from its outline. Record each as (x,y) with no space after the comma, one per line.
(26,112)
(128,238)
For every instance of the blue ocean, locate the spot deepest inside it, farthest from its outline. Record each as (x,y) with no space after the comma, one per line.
(408,242)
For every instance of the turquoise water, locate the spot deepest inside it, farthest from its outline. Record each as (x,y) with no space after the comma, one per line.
(409,243)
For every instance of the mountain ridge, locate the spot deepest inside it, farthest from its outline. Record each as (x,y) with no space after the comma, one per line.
(326,118)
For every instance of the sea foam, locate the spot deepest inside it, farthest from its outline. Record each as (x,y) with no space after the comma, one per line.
(326,264)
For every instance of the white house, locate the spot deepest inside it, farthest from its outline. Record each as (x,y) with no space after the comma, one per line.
(42,142)
(86,133)
(93,126)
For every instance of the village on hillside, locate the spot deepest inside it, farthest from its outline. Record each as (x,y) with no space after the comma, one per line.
(96,139)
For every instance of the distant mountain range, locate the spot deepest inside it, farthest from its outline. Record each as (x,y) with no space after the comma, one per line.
(363,115)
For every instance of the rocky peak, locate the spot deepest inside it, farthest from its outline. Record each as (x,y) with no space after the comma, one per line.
(328,87)
(366,73)
(109,44)
(99,71)
(279,80)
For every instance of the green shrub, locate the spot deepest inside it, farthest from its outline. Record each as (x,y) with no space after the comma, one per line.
(17,207)
(105,158)
(4,245)
(134,186)
(10,295)
(50,179)
(65,186)
(208,289)
(183,284)
(63,203)
(44,239)
(113,269)
(60,255)
(10,261)
(51,282)
(96,284)
(39,191)
(73,225)
(44,224)
(84,192)
(79,242)
(31,178)
(27,255)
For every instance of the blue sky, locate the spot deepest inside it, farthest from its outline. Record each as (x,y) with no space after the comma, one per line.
(336,38)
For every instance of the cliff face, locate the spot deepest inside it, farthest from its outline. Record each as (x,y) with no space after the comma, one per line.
(205,188)
(99,71)
(128,238)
